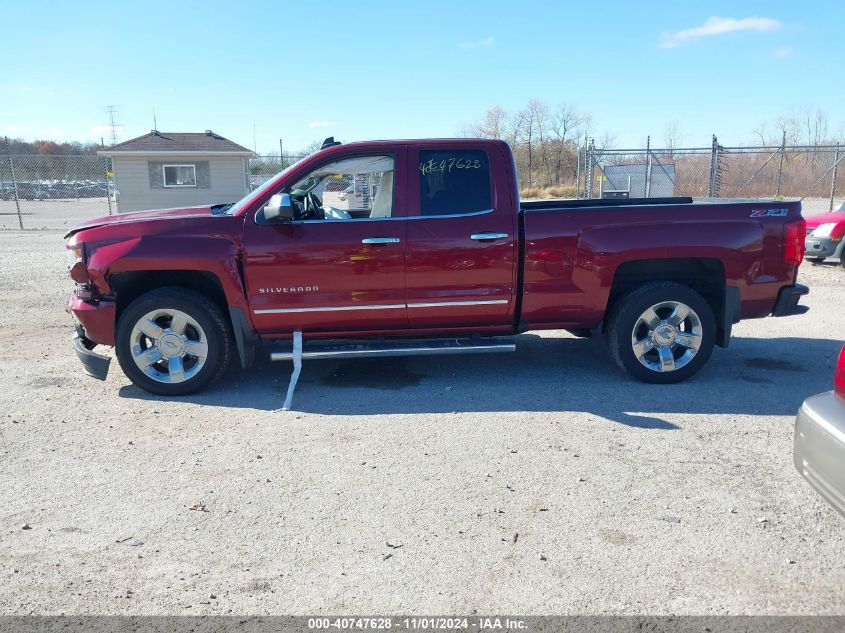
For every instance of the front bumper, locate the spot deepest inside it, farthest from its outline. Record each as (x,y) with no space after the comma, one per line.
(823,247)
(93,325)
(97,318)
(93,364)
(787,302)
(819,446)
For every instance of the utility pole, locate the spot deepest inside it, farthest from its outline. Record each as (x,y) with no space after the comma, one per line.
(14,181)
(780,166)
(589,167)
(713,179)
(833,176)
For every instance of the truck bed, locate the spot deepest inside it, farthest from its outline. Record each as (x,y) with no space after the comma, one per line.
(572,261)
(568,203)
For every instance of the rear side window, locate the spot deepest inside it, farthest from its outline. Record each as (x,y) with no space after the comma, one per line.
(454,182)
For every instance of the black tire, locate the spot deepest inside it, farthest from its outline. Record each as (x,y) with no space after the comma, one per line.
(625,316)
(205,313)
(815,260)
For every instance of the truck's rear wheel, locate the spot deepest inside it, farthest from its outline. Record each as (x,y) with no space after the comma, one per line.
(661,332)
(173,341)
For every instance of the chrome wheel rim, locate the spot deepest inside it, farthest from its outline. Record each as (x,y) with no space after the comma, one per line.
(169,345)
(666,336)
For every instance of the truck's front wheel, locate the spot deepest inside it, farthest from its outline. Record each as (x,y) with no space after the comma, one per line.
(173,341)
(661,332)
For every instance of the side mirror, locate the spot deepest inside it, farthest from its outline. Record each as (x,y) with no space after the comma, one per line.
(279,208)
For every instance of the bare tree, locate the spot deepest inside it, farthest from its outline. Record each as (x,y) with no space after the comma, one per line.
(533,118)
(566,124)
(784,128)
(544,140)
(760,131)
(813,122)
(672,138)
(493,125)
(606,140)
(541,117)
(312,148)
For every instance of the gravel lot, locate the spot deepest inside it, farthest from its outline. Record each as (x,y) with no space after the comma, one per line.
(540,482)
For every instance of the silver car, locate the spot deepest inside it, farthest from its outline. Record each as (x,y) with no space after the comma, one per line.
(819,453)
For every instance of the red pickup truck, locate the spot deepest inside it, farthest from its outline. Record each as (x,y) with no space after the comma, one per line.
(421,247)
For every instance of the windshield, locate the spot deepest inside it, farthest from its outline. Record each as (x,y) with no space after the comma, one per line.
(258,192)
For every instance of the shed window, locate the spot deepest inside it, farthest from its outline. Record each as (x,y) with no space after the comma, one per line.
(180,175)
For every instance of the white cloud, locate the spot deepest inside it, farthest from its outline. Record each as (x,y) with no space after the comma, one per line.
(782,53)
(487,42)
(14,129)
(718,26)
(316,124)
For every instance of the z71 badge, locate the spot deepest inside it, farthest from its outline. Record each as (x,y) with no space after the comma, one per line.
(769,213)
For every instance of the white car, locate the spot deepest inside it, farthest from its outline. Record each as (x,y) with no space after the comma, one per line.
(819,453)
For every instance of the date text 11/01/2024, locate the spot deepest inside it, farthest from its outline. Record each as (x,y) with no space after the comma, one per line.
(418,623)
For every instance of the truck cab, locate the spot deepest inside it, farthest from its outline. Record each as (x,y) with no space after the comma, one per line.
(432,243)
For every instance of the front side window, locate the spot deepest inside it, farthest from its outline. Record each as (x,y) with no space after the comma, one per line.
(348,189)
(180,175)
(454,182)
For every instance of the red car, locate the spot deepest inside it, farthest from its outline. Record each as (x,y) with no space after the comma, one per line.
(826,235)
(444,259)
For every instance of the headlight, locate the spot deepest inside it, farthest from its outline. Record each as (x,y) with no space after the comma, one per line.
(76,263)
(74,255)
(824,230)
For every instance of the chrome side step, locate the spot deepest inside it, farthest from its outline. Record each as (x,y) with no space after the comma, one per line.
(326,350)
(373,349)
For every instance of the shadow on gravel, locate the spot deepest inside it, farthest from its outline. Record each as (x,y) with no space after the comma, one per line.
(763,376)
(828,263)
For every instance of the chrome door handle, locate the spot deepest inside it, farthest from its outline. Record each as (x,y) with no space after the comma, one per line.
(488,236)
(380,240)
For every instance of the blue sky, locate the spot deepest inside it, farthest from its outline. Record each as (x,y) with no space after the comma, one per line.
(359,70)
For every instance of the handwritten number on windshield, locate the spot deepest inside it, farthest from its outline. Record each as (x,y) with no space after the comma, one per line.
(447,165)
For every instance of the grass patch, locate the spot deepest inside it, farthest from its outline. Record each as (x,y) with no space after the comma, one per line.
(542,193)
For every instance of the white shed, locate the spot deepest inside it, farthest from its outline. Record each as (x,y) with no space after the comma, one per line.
(178,169)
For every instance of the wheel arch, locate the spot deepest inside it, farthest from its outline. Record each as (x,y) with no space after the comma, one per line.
(705,275)
(129,285)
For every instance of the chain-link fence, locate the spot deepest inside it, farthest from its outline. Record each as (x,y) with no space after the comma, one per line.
(53,192)
(262,168)
(56,192)
(814,174)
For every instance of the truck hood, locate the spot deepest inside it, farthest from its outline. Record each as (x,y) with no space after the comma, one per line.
(814,221)
(143,216)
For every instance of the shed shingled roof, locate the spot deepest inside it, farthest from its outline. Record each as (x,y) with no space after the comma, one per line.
(157,141)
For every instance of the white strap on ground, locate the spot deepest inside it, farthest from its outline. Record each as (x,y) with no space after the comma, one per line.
(297,368)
